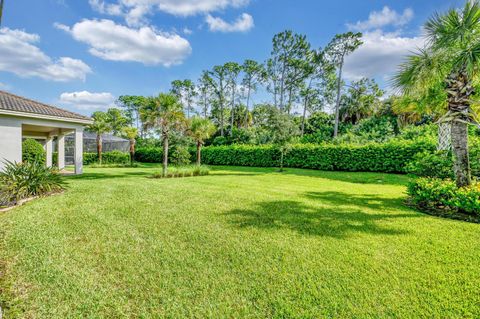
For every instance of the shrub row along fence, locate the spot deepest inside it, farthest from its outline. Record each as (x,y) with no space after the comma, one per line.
(387,157)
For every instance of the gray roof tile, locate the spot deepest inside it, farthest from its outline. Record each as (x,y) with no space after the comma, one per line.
(12,102)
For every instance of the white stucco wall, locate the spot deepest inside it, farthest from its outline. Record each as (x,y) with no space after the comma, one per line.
(10,140)
(11,137)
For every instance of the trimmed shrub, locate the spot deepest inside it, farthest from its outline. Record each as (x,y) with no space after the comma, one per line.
(113,157)
(32,151)
(149,155)
(443,196)
(23,180)
(426,164)
(388,157)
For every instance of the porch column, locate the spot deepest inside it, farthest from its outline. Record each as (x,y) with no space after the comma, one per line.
(49,150)
(79,151)
(61,151)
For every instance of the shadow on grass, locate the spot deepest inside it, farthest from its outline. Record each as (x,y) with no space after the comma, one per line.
(349,177)
(100,175)
(335,220)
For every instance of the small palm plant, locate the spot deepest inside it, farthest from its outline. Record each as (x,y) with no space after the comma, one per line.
(100,126)
(450,60)
(200,130)
(131,134)
(23,180)
(165,113)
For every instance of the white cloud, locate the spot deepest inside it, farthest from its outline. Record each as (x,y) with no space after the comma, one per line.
(242,24)
(85,100)
(380,19)
(111,41)
(187,31)
(4,86)
(135,11)
(380,55)
(20,55)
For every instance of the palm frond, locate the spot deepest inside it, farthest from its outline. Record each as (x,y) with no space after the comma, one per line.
(420,71)
(454,28)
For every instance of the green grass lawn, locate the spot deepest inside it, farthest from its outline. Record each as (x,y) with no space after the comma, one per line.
(239,243)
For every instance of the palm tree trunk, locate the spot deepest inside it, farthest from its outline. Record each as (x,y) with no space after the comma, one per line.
(165,154)
(199,153)
(99,148)
(459,90)
(460,151)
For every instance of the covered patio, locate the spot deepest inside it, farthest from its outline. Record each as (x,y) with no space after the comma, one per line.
(22,118)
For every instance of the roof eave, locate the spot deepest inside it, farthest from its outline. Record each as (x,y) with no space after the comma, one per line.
(47,117)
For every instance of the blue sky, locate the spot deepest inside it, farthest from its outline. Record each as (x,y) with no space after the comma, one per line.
(82,54)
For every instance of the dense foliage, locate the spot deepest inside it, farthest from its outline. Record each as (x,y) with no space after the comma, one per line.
(376,157)
(23,180)
(32,151)
(443,197)
(113,157)
(184,171)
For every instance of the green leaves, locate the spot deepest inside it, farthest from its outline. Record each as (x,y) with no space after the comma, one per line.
(23,180)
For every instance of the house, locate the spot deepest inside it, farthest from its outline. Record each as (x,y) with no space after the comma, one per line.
(24,118)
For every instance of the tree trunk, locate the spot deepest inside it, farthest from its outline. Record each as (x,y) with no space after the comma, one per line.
(1,12)
(132,151)
(99,148)
(304,115)
(165,154)
(460,151)
(232,117)
(337,104)
(459,90)
(199,153)
(281,160)
(248,104)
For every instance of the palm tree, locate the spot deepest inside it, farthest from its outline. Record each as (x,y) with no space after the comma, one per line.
(451,59)
(200,130)
(164,112)
(131,134)
(100,125)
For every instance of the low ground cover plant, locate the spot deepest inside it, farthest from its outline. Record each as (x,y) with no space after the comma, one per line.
(184,171)
(23,180)
(443,197)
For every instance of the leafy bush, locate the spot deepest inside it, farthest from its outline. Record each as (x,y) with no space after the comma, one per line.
(440,164)
(180,156)
(436,195)
(149,155)
(184,171)
(32,151)
(387,157)
(427,164)
(23,180)
(113,157)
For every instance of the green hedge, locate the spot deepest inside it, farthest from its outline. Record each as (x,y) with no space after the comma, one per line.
(149,155)
(114,157)
(389,157)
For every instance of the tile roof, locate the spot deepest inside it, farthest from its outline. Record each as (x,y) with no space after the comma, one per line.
(12,102)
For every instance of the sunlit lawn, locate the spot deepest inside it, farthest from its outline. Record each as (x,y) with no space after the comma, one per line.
(240,243)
